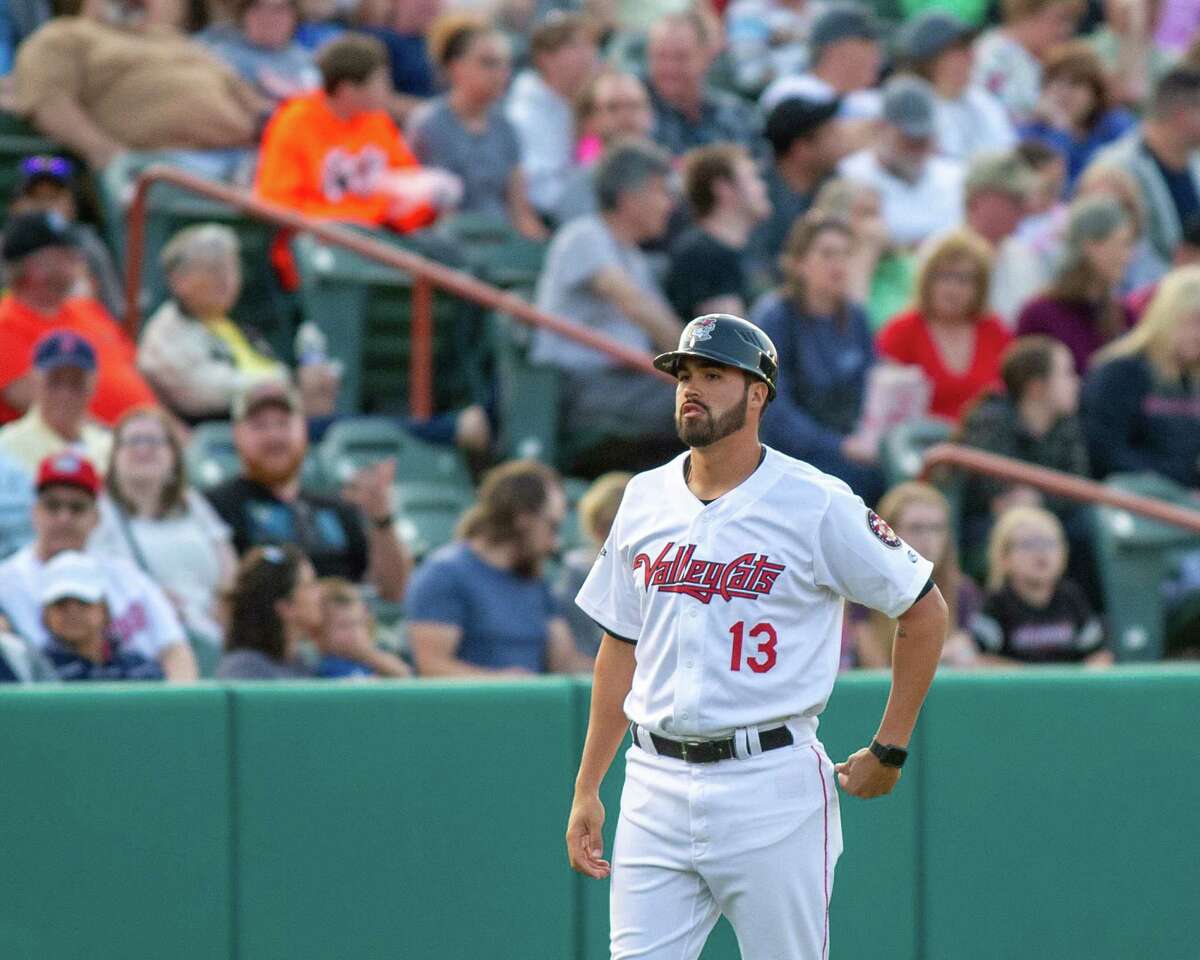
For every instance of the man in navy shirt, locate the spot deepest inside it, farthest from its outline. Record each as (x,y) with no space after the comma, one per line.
(481,606)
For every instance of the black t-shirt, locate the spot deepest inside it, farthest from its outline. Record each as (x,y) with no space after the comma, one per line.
(1066,630)
(703,267)
(330,533)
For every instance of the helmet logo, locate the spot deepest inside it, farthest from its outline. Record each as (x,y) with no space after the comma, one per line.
(701,330)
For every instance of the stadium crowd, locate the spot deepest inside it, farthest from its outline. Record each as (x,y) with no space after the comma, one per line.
(985,216)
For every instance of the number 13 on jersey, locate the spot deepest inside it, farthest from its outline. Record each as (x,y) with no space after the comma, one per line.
(765,654)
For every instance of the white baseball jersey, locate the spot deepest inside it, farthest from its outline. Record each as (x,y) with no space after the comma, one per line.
(736,607)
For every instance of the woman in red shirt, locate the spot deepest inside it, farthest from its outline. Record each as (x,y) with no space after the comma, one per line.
(949,333)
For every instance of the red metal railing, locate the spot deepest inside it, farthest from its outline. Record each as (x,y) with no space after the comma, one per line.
(427,275)
(1057,483)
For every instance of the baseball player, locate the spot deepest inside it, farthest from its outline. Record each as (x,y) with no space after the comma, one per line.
(720,590)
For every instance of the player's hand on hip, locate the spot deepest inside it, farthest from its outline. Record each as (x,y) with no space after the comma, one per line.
(862,775)
(585,842)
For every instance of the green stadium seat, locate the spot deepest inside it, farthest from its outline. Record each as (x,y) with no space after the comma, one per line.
(526,394)
(1135,556)
(429,512)
(365,310)
(902,451)
(354,443)
(495,251)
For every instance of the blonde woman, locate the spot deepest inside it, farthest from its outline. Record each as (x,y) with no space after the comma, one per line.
(1032,613)
(949,332)
(1141,401)
(920,516)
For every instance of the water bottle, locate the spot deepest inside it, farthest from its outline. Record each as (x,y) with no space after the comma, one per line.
(312,347)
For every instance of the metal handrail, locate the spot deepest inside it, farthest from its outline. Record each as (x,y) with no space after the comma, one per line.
(427,275)
(1057,483)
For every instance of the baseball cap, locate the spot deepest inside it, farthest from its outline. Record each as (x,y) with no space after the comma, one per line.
(1000,171)
(45,168)
(73,575)
(28,233)
(67,469)
(796,118)
(931,33)
(62,348)
(266,392)
(841,21)
(908,105)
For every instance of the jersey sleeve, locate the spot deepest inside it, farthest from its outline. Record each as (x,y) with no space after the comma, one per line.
(609,595)
(858,556)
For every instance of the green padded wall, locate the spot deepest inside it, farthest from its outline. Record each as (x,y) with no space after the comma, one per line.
(404,821)
(115,805)
(1060,816)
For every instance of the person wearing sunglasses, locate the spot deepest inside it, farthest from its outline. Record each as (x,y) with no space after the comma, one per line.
(64,517)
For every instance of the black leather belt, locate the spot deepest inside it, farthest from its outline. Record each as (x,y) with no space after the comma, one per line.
(710,751)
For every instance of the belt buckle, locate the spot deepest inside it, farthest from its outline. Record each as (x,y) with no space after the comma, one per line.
(693,751)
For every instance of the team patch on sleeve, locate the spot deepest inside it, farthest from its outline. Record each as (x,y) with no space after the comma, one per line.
(883,533)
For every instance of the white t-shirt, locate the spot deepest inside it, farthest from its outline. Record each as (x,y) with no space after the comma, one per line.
(974,122)
(912,211)
(182,552)
(736,607)
(1009,72)
(142,618)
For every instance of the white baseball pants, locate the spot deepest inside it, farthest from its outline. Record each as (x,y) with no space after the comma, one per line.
(755,839)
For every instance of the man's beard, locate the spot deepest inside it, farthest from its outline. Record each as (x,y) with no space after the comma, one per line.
(269,475)
(708,430)
(527,564)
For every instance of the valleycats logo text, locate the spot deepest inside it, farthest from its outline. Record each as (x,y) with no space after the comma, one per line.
(750,575)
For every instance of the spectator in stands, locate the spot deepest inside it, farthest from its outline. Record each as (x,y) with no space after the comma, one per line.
(880,276)
(260,44)
(268,505)
(1187,254)
(1008,58)
(274,606)
(1034,419)
(465,130)
(936,46)
(687,112)
(16,506)
(76,615)
(922,193)
(727,198)
(1163,155)
(64,380)
(1075,115)
(541,105)
(346,639)
(19,19)
(596,511)
(1080,307)
(1032,612)
(596,275)
(619,109)
(481,606)
(318,23)
(845,58)
(47,185)
(1140,410)
(43,264)
(151,516)
(825,352)
(402,26)
(806,145)
(996,192)
(768,39)
(336,154)
(112,80)
(920,515)
(949,332)
(20,660)
(1044,206)
(64,516)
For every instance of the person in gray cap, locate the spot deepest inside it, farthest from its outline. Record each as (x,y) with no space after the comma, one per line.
(921,192)
(845,61)
(936,46)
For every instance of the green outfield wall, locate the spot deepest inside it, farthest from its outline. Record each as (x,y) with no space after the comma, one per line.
(1049,815)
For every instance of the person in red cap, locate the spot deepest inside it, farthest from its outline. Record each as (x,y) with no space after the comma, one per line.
(44,266)
(64,516)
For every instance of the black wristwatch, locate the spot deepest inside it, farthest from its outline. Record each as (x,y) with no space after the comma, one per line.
(888,755)
(382,523)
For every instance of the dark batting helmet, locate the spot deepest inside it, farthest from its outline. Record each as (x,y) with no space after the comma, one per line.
(728,340)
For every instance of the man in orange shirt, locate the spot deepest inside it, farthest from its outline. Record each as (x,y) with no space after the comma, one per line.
(44,266)
(336,154)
